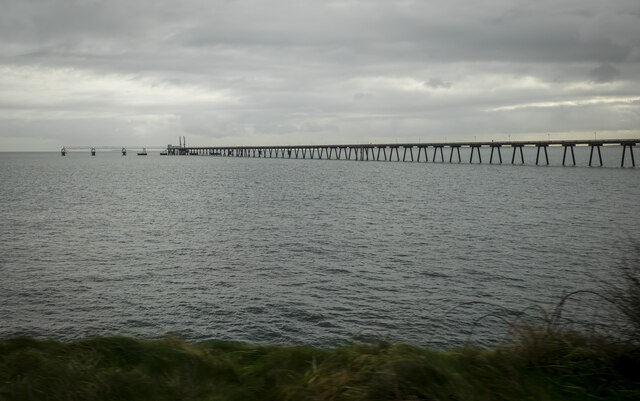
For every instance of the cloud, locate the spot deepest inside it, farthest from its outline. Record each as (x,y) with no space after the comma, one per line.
(605,72)
(571,103)
(437,83)
(248,71)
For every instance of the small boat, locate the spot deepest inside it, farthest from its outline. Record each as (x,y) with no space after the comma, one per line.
(163,153)
(143,153)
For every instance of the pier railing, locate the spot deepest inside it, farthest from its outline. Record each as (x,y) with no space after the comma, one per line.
(400,151)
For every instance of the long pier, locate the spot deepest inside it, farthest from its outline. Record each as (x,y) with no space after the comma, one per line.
(426,152)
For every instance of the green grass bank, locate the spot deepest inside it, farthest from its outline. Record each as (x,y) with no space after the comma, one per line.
(540,365)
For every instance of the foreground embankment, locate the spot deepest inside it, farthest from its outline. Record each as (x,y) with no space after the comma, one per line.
(541,365)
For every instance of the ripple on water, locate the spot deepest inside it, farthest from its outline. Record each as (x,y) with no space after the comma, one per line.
(288,251)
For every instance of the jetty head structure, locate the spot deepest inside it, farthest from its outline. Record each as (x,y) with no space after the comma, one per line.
(412,152)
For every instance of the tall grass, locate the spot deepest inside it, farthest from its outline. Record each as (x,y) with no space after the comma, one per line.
(623,291)
(539,367)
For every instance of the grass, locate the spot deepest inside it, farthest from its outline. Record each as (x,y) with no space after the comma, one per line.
(539,366)
(546,361)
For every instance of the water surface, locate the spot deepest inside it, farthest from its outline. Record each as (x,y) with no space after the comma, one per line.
(299,251)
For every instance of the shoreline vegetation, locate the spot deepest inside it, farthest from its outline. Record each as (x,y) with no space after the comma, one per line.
(541,366)
(544,361)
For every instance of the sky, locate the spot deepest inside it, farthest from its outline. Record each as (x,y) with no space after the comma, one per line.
(142,73)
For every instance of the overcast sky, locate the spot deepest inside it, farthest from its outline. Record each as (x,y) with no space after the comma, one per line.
(230,72)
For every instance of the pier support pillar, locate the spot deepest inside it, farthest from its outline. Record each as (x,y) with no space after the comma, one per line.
(573,157)
(404,155)
(479,155)
(546,155)
(435,150)
(420,149)
(397,154)
(513,156)
(499,154)
(624,148)
(591,153)
(451,154)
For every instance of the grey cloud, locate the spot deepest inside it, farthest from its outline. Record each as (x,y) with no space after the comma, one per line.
(361,96)
(437,83)
(321,70)
(605,72)
(500,31)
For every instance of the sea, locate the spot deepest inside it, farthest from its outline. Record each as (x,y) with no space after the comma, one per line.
(317,252)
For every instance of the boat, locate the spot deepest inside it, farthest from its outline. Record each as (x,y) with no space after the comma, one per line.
(143,153)
(163,153)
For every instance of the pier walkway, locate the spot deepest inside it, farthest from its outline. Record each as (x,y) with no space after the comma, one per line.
(412,152)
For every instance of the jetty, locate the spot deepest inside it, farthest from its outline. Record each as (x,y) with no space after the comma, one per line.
(406,152)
